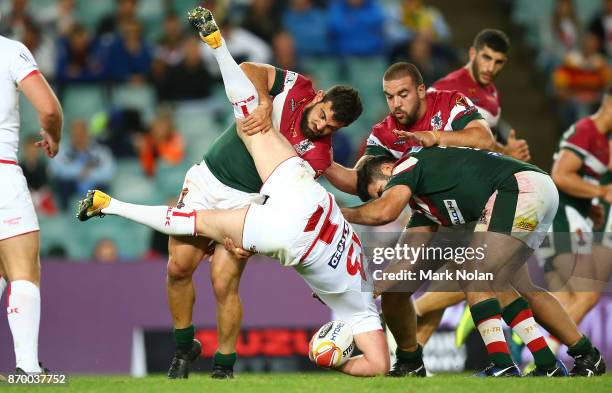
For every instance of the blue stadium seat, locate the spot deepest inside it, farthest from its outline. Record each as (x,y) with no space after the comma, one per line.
(132,239)
(141,98)
(130,184)
(323,70)
(82,102)
(91,12)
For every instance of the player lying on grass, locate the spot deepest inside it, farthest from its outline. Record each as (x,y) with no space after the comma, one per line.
(503,195)
(299,224)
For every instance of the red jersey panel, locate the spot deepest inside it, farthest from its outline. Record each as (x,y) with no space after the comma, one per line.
(590,145)
(485,98)
(288,108)
(446,111)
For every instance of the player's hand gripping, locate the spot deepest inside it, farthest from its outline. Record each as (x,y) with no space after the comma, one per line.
(260,120)
(422,138)
(238,252)
(48,144)
(517,148)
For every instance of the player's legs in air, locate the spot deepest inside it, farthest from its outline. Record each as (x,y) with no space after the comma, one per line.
(279,167)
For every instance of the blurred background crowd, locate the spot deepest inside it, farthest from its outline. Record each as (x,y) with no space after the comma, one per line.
(143,98)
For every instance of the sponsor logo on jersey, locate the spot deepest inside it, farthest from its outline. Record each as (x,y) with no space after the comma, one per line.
(526,223)
(12,221)
(436,121)
(290,77)
(302,147)
(453,211)
(292,102)
(335,259)
(400,142)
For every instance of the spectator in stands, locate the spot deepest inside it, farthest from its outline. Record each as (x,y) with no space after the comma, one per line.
(170,49)
(580,80)
(35,171)
(357,27)
(263,19)
(187,80)
(125,11)
(161,143)
(78,60)
(106,251)
(127,56)
(15,15)
(58,18)
(309,26)
(283,47)
(419,52)
(82,166)
(124,129)
(601,26)
(242,44)
(42,47)
(424,20)
(558,35)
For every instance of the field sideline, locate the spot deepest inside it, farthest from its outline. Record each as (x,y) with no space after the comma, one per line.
(326,382)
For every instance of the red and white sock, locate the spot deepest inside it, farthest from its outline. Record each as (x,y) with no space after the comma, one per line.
(165,219)
(239,89)
(24,319)
(487,318)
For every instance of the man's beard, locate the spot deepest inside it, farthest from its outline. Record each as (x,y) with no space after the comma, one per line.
(476,73)
(307,131)
(412,117)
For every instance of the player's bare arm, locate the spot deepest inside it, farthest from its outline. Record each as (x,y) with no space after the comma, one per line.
(566,178)
(42,98)
(382,210)
(476,134)
(343,178)
(262,77)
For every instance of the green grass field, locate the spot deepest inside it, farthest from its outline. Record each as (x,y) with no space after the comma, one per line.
(326,382)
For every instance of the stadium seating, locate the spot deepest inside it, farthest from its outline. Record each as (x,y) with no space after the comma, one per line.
(141,98)
(90,12)
(82,102)
(131,184)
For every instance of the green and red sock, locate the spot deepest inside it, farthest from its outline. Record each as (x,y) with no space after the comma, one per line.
(519,317)
(487,318)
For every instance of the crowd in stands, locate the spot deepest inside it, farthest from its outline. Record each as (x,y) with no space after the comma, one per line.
(574,48)
(139,88)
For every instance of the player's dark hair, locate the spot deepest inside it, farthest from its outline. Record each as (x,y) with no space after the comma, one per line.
(402,70)
(369,171)
(346,104)
(494,39)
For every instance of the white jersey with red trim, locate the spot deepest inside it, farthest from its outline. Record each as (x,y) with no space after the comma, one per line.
(16,63)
